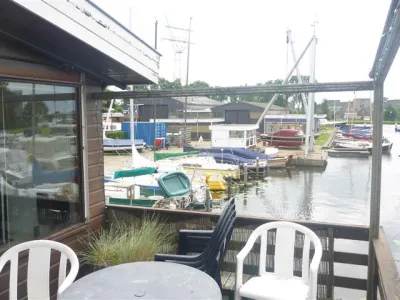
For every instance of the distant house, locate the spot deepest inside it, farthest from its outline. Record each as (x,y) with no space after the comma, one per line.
(336,108)
(360,103)
(358,109)
(241,112)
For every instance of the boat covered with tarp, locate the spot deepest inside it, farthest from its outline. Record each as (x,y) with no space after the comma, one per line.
(164,155)
(242,153)
(134,172)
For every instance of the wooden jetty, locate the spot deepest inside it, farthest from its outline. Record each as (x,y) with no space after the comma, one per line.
(316,159)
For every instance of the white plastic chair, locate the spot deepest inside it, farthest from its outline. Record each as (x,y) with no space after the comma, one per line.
(280,285)
(39,268)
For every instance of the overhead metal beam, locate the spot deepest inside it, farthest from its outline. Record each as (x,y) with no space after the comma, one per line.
(241,90)
(388,45)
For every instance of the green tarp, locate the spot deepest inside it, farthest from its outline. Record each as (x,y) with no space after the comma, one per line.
(134,172)
(159,156)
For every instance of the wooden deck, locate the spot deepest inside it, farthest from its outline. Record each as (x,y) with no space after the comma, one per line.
(338,263)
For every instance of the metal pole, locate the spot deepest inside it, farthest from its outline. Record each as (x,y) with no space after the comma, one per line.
(284,82)
(334,113)
(376,178)
(208,200)
(309,142)
(155,34)
(130,18)
(229,179)
(187,72)
(132,129)
(33,122)
(245,174)
(154,123)
(300,79)
(257,167)
(154,99)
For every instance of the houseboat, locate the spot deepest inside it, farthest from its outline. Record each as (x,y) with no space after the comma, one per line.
(234,136)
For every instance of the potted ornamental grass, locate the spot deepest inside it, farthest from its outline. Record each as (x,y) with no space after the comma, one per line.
(125,242)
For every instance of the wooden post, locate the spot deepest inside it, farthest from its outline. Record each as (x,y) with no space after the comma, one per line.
(229,187)
(257,167)
(208,200)
(245,174)
(376,177)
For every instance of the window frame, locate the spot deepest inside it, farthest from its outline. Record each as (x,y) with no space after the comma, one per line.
(80,92)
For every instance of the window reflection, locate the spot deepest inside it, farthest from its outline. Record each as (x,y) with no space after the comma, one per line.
(39,161)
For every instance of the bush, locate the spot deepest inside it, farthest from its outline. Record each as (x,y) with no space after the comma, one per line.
(126,242)
(116,134)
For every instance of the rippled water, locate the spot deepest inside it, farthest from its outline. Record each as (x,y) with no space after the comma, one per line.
(339,194)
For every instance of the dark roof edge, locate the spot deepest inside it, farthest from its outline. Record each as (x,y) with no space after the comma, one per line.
(122,26)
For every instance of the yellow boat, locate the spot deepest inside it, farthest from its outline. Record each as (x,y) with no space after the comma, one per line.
(216,182)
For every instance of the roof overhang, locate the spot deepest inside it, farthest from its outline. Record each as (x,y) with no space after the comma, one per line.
(80,35)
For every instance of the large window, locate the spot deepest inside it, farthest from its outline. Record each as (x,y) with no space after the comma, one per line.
(39,161)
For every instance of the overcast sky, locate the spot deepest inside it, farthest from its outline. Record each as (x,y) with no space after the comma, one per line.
(244,42)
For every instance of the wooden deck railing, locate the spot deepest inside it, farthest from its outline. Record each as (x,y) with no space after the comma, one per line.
(328,233)
(388,276)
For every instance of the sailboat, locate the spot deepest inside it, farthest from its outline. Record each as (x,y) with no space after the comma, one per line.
(358,137)
(145,185)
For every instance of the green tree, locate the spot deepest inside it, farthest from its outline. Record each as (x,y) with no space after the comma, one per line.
(389,114)
(323,108)
(106,105)
(198,84)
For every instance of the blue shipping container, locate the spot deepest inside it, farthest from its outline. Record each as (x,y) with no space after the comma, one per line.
(145,131)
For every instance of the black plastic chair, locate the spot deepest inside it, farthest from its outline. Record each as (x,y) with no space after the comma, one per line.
(211,244)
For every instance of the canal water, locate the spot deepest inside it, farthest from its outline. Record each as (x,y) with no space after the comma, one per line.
(339,194)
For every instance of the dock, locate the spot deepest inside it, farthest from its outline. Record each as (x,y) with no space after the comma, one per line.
(317,158)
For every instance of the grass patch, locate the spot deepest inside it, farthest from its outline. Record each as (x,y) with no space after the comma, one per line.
(124,242)
(322,139)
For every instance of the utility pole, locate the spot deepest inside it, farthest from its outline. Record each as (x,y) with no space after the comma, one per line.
(154,99)
(187,73)
(155,34)
(130,18)
(179,51)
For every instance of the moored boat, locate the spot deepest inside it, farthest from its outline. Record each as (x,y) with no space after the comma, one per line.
(199,166)
(363,145)
(144,187)
(285,138)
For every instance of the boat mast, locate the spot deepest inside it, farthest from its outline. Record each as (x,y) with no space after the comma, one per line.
(309,143)
(132,130)
(298,73)
(284,82)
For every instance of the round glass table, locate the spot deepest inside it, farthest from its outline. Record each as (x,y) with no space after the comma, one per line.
(144,280)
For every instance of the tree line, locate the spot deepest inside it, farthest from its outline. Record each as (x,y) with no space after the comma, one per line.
(291,101)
